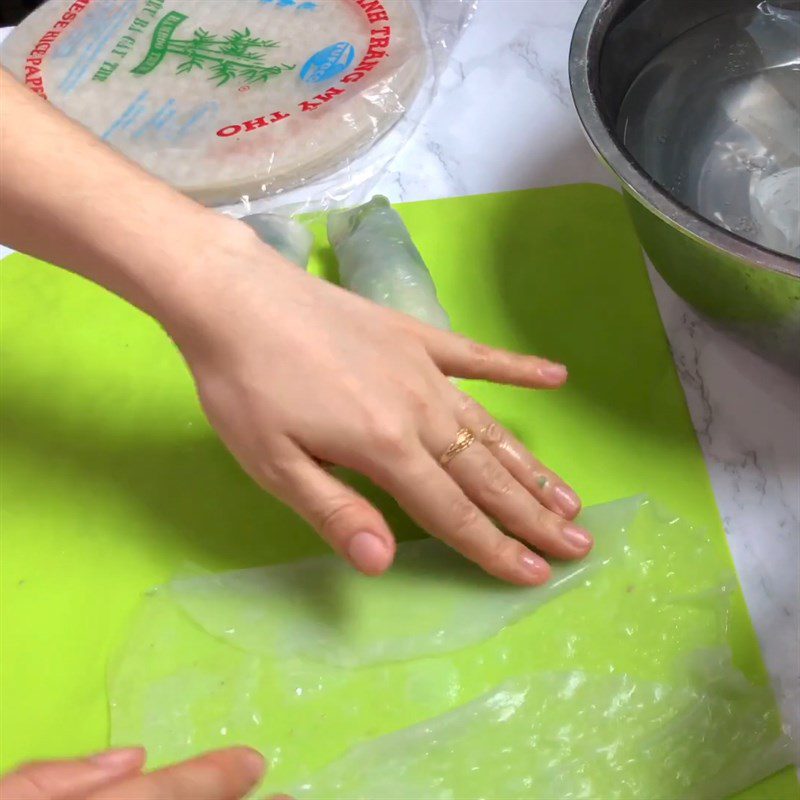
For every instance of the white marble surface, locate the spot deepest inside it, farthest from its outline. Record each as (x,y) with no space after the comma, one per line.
(503,120)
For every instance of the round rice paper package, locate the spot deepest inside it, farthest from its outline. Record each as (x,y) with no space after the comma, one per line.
(229,100)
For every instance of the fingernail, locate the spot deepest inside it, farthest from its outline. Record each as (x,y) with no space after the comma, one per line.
(253,764)
(536,569)
(567,500)
(577,537)
(117,760)
(369,553)
(553,372)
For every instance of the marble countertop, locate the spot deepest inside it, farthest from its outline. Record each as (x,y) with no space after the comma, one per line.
(502,120)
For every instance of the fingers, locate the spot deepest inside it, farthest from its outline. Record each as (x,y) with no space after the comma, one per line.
(459,357)
(222,775)
(494,489)
(350,524)
(66,780)
(542,483)
(434,500)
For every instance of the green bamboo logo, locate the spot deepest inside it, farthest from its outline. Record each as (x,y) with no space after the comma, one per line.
(238,55)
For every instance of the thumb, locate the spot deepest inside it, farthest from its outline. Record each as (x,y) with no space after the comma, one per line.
(65,780)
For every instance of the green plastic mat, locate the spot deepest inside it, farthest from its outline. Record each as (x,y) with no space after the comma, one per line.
(111,478)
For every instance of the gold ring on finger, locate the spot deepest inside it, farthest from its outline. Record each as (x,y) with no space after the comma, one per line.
(464,438)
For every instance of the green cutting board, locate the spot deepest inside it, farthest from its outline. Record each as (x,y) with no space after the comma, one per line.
(111,478)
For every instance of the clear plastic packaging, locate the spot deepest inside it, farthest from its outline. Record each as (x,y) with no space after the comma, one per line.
(443,22)
(234,101)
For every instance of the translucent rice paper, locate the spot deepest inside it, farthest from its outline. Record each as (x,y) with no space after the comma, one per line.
(287,235)
(432,600)
(180,691)
(575,735)
(379,260)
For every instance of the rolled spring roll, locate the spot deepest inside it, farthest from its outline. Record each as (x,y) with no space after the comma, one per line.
(379,261)
(288,236)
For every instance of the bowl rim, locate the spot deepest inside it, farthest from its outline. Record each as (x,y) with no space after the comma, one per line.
(590,30)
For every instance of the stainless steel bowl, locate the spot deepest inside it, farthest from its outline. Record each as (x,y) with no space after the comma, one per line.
(694,105)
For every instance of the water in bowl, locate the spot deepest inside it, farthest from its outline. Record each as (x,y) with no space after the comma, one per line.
(714,118)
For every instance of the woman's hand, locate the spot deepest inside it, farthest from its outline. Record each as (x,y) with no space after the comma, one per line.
(294,373)
(117,775)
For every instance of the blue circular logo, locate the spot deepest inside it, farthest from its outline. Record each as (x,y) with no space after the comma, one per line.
(328,63)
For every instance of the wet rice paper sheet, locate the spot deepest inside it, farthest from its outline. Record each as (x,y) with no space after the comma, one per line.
(575,735)
(330,674)
(432,600)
